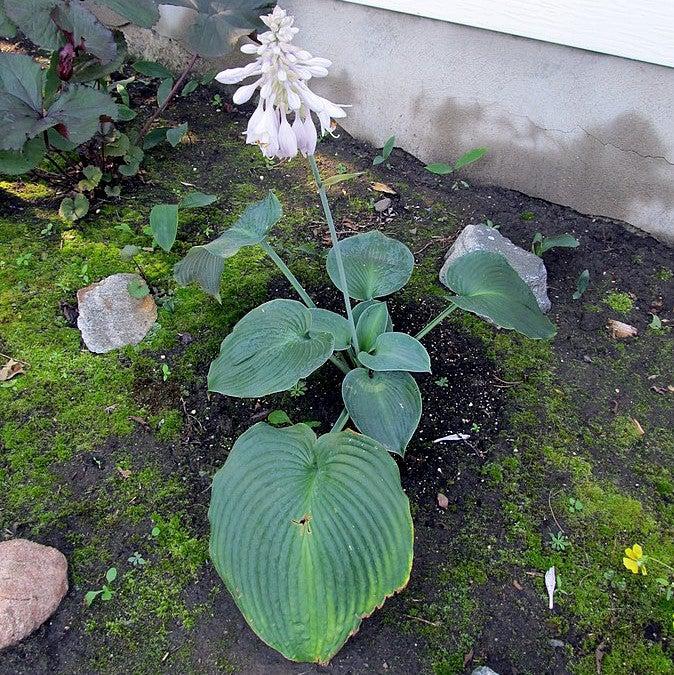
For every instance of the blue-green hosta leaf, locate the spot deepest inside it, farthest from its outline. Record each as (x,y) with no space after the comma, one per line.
(375,265)
(15,162)
(164,224)
(384,406)
(310,535)
(204,264)
(396,351)
(325,321)
(143,13)
(362,306)
(270,350)
(487,285)
(33,17)
(371,323)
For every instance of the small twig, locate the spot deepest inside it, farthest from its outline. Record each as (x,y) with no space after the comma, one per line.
(169,98)
(510,384)
(552,511)
(426,621)
(12,358)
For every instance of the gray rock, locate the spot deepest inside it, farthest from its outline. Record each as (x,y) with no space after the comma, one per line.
(557,644)
(484,670)
(529,266)
(33,581)
(110,317)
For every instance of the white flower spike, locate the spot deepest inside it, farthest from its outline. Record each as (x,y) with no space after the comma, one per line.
(282,71)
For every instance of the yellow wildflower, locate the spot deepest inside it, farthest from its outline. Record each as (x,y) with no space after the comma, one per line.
(635,561)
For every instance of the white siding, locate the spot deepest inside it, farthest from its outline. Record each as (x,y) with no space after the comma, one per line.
(635,29)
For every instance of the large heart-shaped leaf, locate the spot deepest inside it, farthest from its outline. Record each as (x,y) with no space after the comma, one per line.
(143,13)
(204,264)
(77,113)
(271,349)
(33,17)
(396,351)
(375,265)
(21,84)
(309,535)
(488,286)
(325,321)
(384,406)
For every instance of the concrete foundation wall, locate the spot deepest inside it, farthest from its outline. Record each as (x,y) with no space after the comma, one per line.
(578,128)
(586,130)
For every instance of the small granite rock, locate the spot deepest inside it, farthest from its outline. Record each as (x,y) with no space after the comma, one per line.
(557,644)
(33,581)
(529,266)
(484,670)
(110,317)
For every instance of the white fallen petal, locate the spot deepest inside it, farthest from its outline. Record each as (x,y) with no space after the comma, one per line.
(551,584)
(452,437)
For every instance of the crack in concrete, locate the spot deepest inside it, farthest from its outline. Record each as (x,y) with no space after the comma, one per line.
(629,150)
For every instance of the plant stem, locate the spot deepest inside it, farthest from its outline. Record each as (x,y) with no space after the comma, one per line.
(169,98)
(434,322)
(287,274)
(335,244)
(336,359)
(650,557)
(341,421)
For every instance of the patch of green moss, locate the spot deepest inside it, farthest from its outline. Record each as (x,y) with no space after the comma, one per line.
(619,302)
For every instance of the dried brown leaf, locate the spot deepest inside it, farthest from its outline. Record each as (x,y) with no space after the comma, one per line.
(620,330)
(11,369)
(382,187)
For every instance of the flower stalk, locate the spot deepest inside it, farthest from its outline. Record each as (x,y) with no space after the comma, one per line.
(437,320)
(335,243)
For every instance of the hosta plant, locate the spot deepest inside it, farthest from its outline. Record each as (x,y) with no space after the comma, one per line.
(311,534)
(73,121)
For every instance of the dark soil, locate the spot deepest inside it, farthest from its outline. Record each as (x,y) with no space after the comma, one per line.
(475,402)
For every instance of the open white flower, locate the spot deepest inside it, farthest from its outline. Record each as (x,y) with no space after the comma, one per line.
(282,71)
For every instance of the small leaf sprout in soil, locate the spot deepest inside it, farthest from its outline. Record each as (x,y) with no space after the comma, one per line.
(581,284)
(385,152)
(442,382)
(541,244)
(575,505)
(105,593)
(166,371)
(299,389)
(280,343)
(137,560)
(559,542)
